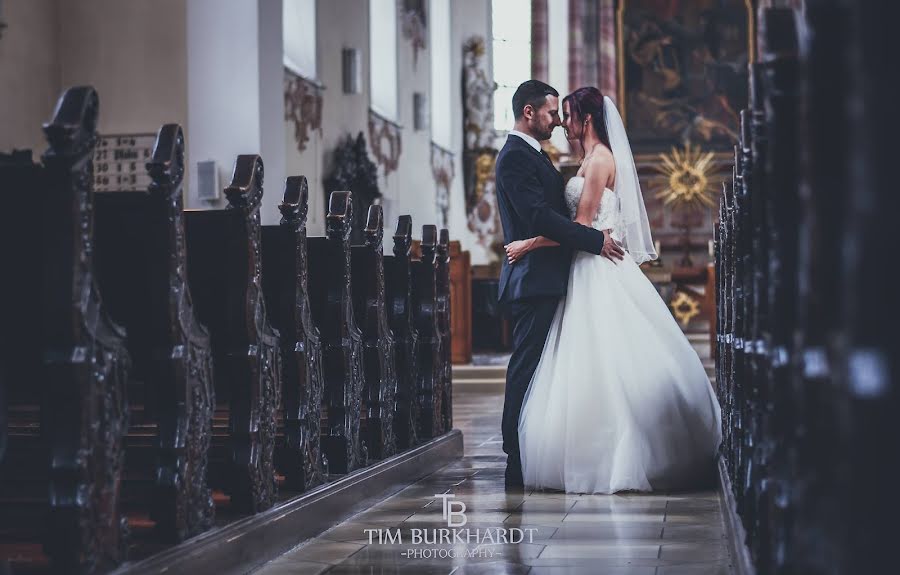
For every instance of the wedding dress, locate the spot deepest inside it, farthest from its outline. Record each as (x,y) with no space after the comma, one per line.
(619,399)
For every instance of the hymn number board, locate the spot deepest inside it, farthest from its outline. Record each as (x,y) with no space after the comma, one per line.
(120,162)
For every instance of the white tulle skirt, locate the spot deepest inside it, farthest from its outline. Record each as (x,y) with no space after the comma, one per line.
(620,400)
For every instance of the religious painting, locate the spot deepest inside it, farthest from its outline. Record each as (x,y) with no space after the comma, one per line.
(683,73)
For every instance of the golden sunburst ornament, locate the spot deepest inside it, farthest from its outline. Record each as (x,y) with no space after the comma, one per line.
(688,173)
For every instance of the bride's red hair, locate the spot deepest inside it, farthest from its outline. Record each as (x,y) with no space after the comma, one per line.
(588,101)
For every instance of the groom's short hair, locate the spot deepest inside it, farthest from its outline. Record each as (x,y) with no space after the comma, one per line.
(532,92)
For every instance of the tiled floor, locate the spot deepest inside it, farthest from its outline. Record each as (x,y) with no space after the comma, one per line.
(655,534)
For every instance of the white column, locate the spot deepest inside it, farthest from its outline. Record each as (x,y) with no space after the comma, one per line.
(271,106)
(558,59)
(235,91)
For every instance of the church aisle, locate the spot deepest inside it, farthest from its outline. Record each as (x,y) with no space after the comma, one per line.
(655,534)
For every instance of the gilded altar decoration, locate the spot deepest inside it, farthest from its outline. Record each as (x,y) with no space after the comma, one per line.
(443,170)
(688,178)
(484,217)
(386,139)
(302,107)
(687,190)
(479,153)
(685,308)
(413,24)
(478,97)
(683,70)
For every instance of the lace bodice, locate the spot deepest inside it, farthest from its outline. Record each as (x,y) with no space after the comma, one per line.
(608,215)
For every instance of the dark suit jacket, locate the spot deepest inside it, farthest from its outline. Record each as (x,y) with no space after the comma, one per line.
(531,199)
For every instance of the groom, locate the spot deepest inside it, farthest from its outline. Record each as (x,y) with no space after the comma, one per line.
(530,195)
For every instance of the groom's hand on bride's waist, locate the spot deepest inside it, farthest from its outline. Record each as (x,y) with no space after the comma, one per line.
(611,249)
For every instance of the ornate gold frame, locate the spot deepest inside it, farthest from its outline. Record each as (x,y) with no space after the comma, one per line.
(620,50)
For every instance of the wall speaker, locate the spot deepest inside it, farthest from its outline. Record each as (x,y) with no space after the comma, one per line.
(420,111)
(351,71)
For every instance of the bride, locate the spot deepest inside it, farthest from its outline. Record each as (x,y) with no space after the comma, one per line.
(619,400)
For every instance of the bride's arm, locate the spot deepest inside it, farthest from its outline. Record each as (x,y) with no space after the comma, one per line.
(598,172)
(516,250)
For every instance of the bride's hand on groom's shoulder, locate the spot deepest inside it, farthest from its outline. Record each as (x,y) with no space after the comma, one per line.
(611,248)
(516,250)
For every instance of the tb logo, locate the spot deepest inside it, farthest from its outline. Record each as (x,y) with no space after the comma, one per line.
(448,511)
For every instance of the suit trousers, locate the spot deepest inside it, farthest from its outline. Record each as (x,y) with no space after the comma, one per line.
(531,324)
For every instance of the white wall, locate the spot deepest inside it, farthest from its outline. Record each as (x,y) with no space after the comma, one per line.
(341,113)
(133,54)
(408,190)
(222,58)
(29,72)
(271,106)
(411,189)
(470,18)
(309,164)
(215,66)
(139,55)
(558,61)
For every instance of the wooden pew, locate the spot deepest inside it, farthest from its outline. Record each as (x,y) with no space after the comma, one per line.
(460,303)
(442,276)
(791,256)
(224,273)
(284,256)
(398,284)
(141,269)
(425,311)
(19,354)
(766,467)
(368,292)
(342,342)
(185,298)
(25,463)
(60,476)
(3,412)
(869,438)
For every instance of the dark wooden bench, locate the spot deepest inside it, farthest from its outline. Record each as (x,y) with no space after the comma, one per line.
(135,412)
(398,286)
(224,274)
(442,292)
(787,308)
(25,464)
(20,300)
(379,364)
(426,317)
(284,253)
(342,343)
(61,473)
(141,267)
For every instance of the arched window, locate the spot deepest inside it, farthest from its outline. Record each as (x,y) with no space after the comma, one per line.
(383,57)
(299,25)
(441,117)
(511,21)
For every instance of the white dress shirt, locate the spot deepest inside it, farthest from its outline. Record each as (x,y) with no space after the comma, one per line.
(531,141)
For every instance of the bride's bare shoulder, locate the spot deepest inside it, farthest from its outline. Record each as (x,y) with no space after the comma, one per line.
(600,166)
